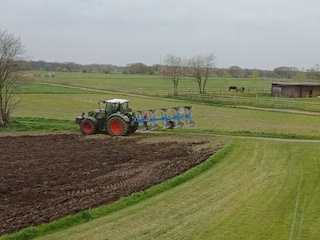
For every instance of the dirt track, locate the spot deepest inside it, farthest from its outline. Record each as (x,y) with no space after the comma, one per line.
(50,176)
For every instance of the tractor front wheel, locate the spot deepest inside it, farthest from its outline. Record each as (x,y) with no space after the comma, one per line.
(116,126)
(88,127)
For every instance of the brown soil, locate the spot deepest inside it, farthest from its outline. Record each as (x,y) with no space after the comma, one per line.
(51,176)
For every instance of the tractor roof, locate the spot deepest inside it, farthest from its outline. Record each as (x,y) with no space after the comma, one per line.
(117,100)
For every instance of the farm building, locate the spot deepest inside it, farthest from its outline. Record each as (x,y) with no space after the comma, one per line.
(295,89)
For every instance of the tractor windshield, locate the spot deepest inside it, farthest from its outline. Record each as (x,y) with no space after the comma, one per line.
(125,107)
(117,106)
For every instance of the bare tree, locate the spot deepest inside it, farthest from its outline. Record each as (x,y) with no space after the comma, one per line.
(226,76)
(255,76)
(172,68)
(301,76)
(286,72)
(314,72)
(235,71)
(11,56)
(200,68)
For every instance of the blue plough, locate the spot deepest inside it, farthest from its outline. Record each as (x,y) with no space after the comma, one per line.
(169,118)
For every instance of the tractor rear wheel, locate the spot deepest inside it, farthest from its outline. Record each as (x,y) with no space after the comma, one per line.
(116,126)
(88,127)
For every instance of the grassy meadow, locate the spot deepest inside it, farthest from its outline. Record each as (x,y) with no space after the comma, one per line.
(147,84)
(262,185)
(69,94)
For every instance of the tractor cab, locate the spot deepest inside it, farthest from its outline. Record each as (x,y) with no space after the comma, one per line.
(117,105)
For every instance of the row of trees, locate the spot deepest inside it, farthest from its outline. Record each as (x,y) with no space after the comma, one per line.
(200,68)
(141,68)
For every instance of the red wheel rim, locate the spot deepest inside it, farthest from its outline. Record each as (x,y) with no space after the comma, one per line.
(116,127)
(87,127)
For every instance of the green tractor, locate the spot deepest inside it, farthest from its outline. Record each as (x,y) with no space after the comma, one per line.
(117,119)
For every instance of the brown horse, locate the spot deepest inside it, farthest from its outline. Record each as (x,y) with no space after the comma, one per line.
(241,90)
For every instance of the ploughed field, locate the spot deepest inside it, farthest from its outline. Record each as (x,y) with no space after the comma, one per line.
(46,177)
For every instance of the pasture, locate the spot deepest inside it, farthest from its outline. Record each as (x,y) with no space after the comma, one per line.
(256,94)
(61,99)
(258,188)
(146,84)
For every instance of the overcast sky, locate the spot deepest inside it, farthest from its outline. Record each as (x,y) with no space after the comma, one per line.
(262,34)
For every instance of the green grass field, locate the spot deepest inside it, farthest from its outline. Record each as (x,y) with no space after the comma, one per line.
(259,188)
(142,83)
(65,103)
(257,93)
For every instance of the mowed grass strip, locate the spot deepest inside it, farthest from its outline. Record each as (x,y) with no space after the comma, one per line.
(260,190)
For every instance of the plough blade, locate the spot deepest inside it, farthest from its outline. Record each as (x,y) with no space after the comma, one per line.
(190,122)
(169,118)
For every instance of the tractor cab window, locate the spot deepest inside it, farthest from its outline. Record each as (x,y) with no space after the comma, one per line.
(109,107)
(116,107)
(112,108)
(125,107)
